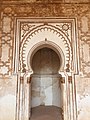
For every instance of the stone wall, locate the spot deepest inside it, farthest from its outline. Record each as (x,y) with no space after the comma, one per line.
(8,13)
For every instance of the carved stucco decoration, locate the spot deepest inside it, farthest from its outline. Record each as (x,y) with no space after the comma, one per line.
(80,11)
(43,1)
(9,13)
(44,33)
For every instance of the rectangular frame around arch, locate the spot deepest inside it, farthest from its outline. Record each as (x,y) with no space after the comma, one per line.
(74,47)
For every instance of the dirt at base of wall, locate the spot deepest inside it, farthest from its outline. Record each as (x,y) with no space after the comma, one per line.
(46,113)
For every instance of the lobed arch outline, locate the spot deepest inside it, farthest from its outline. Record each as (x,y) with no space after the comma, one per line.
(50,45)
(42,28)
(35,30)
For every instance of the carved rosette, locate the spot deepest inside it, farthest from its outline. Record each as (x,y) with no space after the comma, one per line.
(44,33)
(10,12)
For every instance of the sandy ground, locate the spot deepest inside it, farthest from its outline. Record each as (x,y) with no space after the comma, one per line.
(46,113)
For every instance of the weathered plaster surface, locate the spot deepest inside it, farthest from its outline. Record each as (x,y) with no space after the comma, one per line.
(46,90)
(8,85)
(7,98)
(83,98)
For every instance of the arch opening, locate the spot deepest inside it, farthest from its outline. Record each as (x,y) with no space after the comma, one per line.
(45,62)
(49,45)
(46,91)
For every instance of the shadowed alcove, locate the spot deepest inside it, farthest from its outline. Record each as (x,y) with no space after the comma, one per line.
(46,92)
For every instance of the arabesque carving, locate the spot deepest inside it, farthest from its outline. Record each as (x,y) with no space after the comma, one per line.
(48,10)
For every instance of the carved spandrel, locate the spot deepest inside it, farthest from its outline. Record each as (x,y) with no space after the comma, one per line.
(53,10)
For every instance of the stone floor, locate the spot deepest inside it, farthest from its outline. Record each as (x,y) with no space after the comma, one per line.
(46,113)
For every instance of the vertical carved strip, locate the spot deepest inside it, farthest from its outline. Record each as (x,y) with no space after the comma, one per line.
(24,97)
(71,101)
(68,90)
(27,100)
(29,97)
(17,97)
(74,97)
(7,38)
(84,26)
(66,97)
(23,92)
(21,98)
(62,84)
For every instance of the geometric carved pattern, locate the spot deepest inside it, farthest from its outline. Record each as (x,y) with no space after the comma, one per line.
(9,13)
(48,29)
(6,44)
(84,37)
(61,31)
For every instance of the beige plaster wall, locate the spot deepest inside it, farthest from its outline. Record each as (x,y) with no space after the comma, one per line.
(46,90)
(7,98)
(8,81)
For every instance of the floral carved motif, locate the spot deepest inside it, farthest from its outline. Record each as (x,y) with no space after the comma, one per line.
(10,12)
(31,31)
